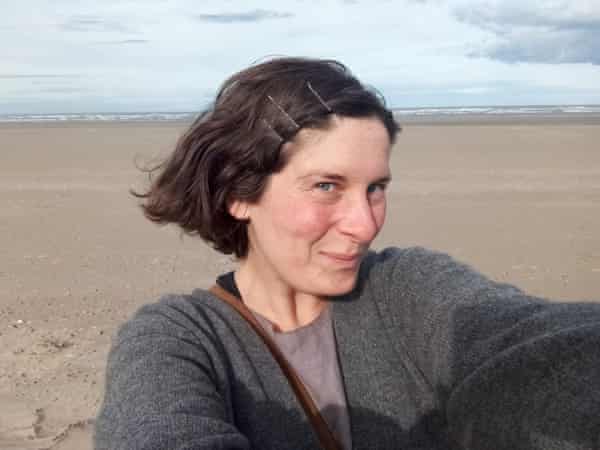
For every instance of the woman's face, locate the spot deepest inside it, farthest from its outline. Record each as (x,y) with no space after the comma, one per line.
(319,214)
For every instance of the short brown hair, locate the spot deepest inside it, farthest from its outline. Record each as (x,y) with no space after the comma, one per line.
(232,148)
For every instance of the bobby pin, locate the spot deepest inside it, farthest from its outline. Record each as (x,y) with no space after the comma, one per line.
(268,125)
(283,112)
(316,94)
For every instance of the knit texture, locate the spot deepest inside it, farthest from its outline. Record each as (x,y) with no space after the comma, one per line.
(433,356)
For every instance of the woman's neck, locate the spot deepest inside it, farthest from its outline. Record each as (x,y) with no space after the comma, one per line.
(272,298)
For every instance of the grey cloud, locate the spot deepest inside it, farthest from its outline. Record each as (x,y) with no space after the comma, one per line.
(93,23)
(256,15)
(536,35)
(504,18)
(557,48)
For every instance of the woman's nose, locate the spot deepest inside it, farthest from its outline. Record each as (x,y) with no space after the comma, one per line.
(361,220)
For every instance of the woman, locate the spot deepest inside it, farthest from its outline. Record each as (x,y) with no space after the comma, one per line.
(405,348)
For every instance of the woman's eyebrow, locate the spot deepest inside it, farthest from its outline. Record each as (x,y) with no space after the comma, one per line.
(327,175)
(340,178)
(385,179)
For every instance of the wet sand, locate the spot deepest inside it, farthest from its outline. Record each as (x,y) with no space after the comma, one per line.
(519,200)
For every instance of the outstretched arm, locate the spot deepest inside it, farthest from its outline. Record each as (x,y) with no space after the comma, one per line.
(511,371)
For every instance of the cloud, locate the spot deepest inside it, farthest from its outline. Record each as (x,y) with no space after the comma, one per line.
(125,42)
(538,31)
(51,90)
(20,76)
(558,48)
(256,15)
(89,23)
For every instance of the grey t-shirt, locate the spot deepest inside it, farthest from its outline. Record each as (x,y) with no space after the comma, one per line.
(311,350)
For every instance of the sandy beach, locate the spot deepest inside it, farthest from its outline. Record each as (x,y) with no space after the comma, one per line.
(517,199)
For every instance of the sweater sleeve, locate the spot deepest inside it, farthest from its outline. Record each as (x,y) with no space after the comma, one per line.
(161,387)
(510,371)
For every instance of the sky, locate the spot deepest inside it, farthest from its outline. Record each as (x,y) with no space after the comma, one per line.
(69,56)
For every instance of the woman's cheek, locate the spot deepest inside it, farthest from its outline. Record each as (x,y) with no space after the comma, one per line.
(308,220)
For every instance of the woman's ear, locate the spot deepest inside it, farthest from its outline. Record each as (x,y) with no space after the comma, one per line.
(239,210)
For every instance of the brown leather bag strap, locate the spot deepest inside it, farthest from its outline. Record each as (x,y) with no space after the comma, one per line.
(326,438)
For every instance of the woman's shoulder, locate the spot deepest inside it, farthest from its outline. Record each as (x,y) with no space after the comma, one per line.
(392,255)
(422,276)
(414,264)
(179,314)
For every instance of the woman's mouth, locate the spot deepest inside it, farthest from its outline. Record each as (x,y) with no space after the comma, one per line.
(343,259)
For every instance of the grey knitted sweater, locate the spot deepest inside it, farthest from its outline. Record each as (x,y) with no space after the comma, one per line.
(433,356)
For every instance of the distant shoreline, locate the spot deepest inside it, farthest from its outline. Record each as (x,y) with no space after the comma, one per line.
(472,115)
(592,119)
(504,119)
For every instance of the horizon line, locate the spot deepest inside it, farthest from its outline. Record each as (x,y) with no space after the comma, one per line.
(392,108)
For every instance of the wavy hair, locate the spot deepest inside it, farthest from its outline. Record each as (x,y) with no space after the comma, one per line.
(232,148)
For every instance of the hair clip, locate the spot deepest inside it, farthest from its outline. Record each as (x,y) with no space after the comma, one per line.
(270,127)
(284,113)
(316,94)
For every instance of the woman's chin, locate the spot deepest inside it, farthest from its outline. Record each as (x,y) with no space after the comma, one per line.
(339,285)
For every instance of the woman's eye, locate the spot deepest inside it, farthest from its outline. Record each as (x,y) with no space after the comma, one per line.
(325,187)
(376,187)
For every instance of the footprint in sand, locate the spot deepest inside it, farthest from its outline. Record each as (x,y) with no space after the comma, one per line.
(20,425)
(22,428)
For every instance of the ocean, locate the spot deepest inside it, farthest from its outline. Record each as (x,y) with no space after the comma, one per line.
(430,113)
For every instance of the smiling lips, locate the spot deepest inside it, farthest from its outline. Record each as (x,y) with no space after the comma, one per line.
(346,259)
